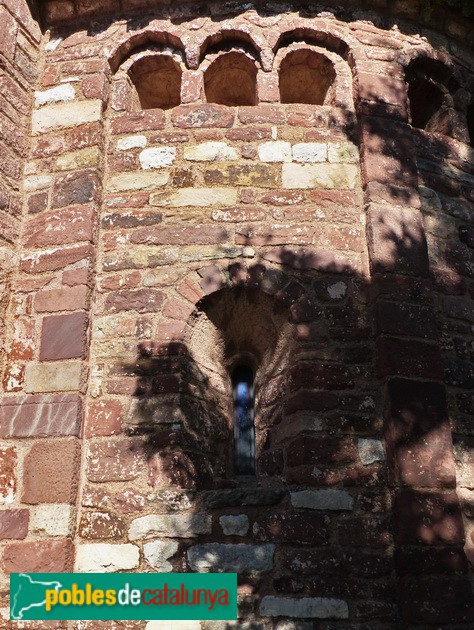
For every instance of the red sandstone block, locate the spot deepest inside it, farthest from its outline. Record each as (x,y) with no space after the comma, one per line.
(63,337)
(249,134)
(212,279)
(397,240)
(41,556)
(320,260)
(178,309)
(104,417)
(170,331)
(48,145)
(22,345)
(127,385)
(180,235)
(79,187)
(386,89)
(64,299)
(76,276)
(190,290)
(84,136)
(371,532)
(307,115)
(275,235)
(51,471)
(299,529)
(412,320)
(262,114)
(13,377)
(7,474)
(8,32)
(320,376)
(418,435)
(239,214)
(141,300)
(428,518)
(37,202)
(115,460)
(138,121)
(56,228)
(55,258)
(95,86)
(26,416)
(407,357)
(207,115)
(101,526)
(428,560)
(321,450)
(14,524)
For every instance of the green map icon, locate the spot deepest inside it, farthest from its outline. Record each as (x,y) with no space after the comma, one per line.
(29,594)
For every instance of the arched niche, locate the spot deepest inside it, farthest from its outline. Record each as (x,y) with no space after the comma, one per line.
(157,81)
(305,76)
(231,79)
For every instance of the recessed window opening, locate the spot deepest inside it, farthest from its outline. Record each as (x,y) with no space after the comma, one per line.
(157,80)
(231,80)
(244,427)
(470,123)
(305,77)
(426,99)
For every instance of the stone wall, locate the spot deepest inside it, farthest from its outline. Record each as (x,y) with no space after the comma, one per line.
(327,243)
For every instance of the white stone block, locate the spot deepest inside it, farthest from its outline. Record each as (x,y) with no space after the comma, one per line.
(234,524)
(310,152)
(327,499)
(173,525)
(197,197)
(230,558)
(157,554)
(343,152)
(52,519)
(106,558)
(160,157)
(58,94)
(277,151)
(66,115)
(305,607)
(131,142)
(210,152)
(37,182)
(370,451)
(137,181)
(330,176)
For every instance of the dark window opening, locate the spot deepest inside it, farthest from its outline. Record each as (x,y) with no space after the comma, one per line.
(244,428)
(470,123)
(426,100)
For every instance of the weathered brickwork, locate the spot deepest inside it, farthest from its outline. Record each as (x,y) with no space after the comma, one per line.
(282,195)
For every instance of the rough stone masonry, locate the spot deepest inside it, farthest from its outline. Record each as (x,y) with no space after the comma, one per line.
(188,186)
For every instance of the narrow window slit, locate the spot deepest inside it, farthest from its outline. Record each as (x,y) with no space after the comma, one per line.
(244,429)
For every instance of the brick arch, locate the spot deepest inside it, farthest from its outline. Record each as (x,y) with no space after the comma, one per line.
(140,41)
(232,35)
(317,36)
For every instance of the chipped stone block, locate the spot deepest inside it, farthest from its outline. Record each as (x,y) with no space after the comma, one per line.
(224,558)
(106,558)
(131,142)
(53,519)
(60,93)
(179,525)
(310,152)
(157,554)
(277,151)
(370,451)
(322,499)
(234,524)
(160,157)
(210,151)
(306,607)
